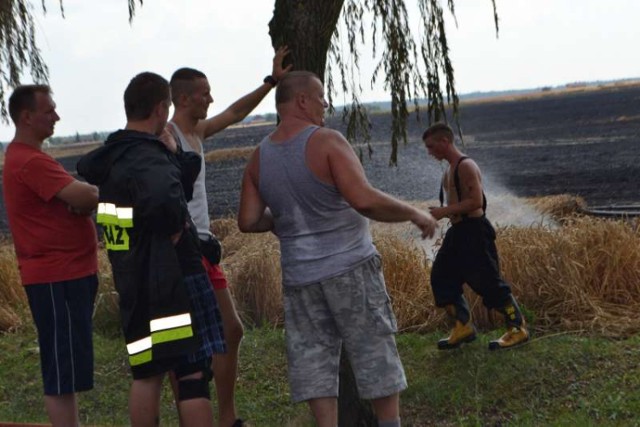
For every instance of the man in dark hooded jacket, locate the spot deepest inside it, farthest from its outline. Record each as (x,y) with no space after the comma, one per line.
(170,318)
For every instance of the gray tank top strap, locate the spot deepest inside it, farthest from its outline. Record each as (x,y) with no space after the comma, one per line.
(305,134)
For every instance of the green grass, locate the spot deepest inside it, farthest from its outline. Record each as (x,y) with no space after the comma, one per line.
(562,380)
(556,380)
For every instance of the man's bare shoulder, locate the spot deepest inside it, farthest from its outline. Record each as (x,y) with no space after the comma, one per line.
(329,138)
(328,154)
(468,166)
(253,166)
(255,155)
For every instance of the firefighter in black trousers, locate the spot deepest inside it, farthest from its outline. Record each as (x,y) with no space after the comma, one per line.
(468,253)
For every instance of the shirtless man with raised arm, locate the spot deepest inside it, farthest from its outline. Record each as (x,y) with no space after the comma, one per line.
(189,127)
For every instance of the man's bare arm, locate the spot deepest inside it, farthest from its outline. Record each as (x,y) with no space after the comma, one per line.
(245,105)
(81,197)
(253,214)
(350,179)
(168,140)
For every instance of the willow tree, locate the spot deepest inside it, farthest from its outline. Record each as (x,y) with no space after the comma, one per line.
(18,48)
(412,62)
(19,52)
(411,65)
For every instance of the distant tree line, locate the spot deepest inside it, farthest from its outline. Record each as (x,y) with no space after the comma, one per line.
(78,137)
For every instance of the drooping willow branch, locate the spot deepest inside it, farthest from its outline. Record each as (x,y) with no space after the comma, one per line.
(411,66)
(18,49)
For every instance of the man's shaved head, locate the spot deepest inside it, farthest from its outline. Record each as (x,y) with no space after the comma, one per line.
(437,130)
(293,82)
(182,82)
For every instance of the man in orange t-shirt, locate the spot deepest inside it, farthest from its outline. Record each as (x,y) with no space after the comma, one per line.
(56,246)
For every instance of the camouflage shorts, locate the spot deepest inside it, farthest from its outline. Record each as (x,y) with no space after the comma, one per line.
(353,308)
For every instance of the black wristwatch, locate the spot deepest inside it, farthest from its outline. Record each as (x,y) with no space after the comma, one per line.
(269,79)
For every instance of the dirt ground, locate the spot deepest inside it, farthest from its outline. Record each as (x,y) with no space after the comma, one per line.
(585,143)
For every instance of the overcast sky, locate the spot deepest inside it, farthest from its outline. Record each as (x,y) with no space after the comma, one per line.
(93,53)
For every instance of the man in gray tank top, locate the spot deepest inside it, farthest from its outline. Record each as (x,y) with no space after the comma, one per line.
(189,126)
(305,184)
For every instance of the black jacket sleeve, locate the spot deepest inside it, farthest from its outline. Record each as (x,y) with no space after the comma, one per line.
(158,197)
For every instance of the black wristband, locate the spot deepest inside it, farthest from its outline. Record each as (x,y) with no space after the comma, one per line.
(269,79)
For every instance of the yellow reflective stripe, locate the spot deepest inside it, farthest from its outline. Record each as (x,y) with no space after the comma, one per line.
(141,351)
(103,219)
(170,322)
(139,359)
(115,237)
(138,346)
(125,217)
(108,213)
(172,334)
(107,209)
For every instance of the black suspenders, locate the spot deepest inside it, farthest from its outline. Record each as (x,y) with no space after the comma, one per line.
(456,184)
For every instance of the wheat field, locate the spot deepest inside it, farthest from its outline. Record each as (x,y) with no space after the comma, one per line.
(569,273)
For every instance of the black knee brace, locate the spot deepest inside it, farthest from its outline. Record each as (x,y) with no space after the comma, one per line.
(194,388)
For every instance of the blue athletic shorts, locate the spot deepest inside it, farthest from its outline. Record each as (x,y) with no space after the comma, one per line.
(62,313)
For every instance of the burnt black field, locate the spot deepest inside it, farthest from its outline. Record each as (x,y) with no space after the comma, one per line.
(585,143)
(582,143)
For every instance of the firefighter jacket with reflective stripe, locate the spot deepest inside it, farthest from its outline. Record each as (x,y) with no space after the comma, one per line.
(142,205)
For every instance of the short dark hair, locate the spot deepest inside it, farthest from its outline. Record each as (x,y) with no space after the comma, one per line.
(182,81)
(24,98)
(291,82)
(144,92)
(436,129)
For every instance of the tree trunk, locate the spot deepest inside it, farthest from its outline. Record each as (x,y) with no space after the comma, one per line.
(306,27)
(352,411)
